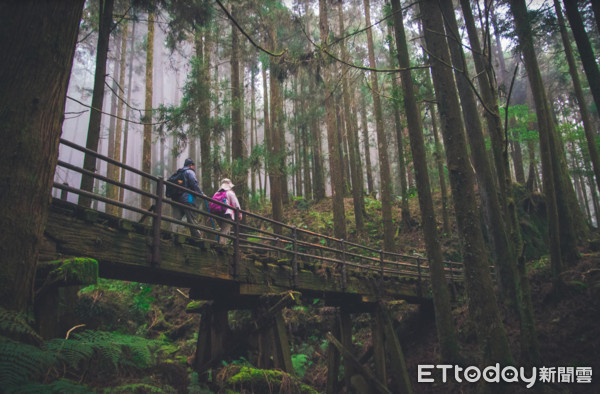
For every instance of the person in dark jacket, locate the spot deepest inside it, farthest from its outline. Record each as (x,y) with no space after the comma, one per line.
(190,182)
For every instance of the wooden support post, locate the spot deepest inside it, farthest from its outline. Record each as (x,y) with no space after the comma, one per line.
(346,339)
(218,332)
(333,357)
(377,384)
(283,355)
(400,378)
(378,346)
(203,347)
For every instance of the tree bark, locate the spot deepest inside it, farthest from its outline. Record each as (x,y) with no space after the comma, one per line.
(590,134)
(238,151)
(385,181)
(545,125)
(93,137)
(335,167)
(441,296)
(147,143)
(586,53)
(483,306)
(33,86)
(357,187)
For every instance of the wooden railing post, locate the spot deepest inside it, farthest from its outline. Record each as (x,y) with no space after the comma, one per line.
(295,258)
(64,193)
(419,287)
(236,242)
(160,187)
(381,263)
(344,278)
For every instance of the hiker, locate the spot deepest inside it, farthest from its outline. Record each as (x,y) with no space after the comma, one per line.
(186,177)
(225,195)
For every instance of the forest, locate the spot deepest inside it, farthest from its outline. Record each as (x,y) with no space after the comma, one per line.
(418,186)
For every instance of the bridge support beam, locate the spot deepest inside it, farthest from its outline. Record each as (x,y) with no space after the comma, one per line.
(212,335)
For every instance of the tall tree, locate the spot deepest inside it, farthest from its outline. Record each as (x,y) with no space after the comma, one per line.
(127,114)
(483,305)
(562,231)
(115,173)
(335,167)
(33,88)
(441,298)
(147,142)
(364,124)
(277,150)
(385,181)
(93,136)
(238,151)
(204,121)
(590,134)
(357,187)
(586,53)
(406,220)
(504,250)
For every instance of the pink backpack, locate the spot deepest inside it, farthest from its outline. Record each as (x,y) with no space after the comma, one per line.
(220,196)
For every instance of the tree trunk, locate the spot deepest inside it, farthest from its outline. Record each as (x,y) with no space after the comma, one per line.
(483,306)
(590,134)
(367,144)
(93,136)
(406,220)
(204,126)
(116,171)
(34,86)
(276,151)
(335,167)
(127,112)
(147,143)
(545,127)
(238,152)
(441,298)
(385,181)
(586,53)
(504,251)
(357,187)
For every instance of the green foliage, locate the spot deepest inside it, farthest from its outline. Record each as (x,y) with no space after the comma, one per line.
(300,363)
(264,380)
(141,388)
(20,363)
(15,325)
(58,386)
(108,349)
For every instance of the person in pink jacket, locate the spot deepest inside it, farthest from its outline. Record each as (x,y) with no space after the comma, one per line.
(227,196)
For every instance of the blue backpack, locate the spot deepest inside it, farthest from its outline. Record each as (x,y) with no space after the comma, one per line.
(220,196)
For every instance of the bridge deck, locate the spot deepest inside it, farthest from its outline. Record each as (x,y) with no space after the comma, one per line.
(123,250)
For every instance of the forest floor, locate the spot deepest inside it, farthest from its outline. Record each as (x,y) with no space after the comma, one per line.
(567,326)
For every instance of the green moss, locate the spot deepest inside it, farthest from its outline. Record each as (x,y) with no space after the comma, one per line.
(75,271)
(267,378)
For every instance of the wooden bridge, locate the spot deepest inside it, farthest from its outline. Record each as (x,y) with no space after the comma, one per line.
(265,266)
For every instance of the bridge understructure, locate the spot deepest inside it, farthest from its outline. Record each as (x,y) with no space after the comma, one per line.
(266,267)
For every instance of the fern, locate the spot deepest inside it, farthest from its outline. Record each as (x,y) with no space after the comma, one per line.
(21,363)
(119,349)
(15,325)
(138,388)
(71,352)
(58,386)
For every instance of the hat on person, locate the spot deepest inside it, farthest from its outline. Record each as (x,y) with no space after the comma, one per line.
(226,184)
(188,162)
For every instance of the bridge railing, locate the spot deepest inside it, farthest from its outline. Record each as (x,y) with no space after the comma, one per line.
(288,244)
